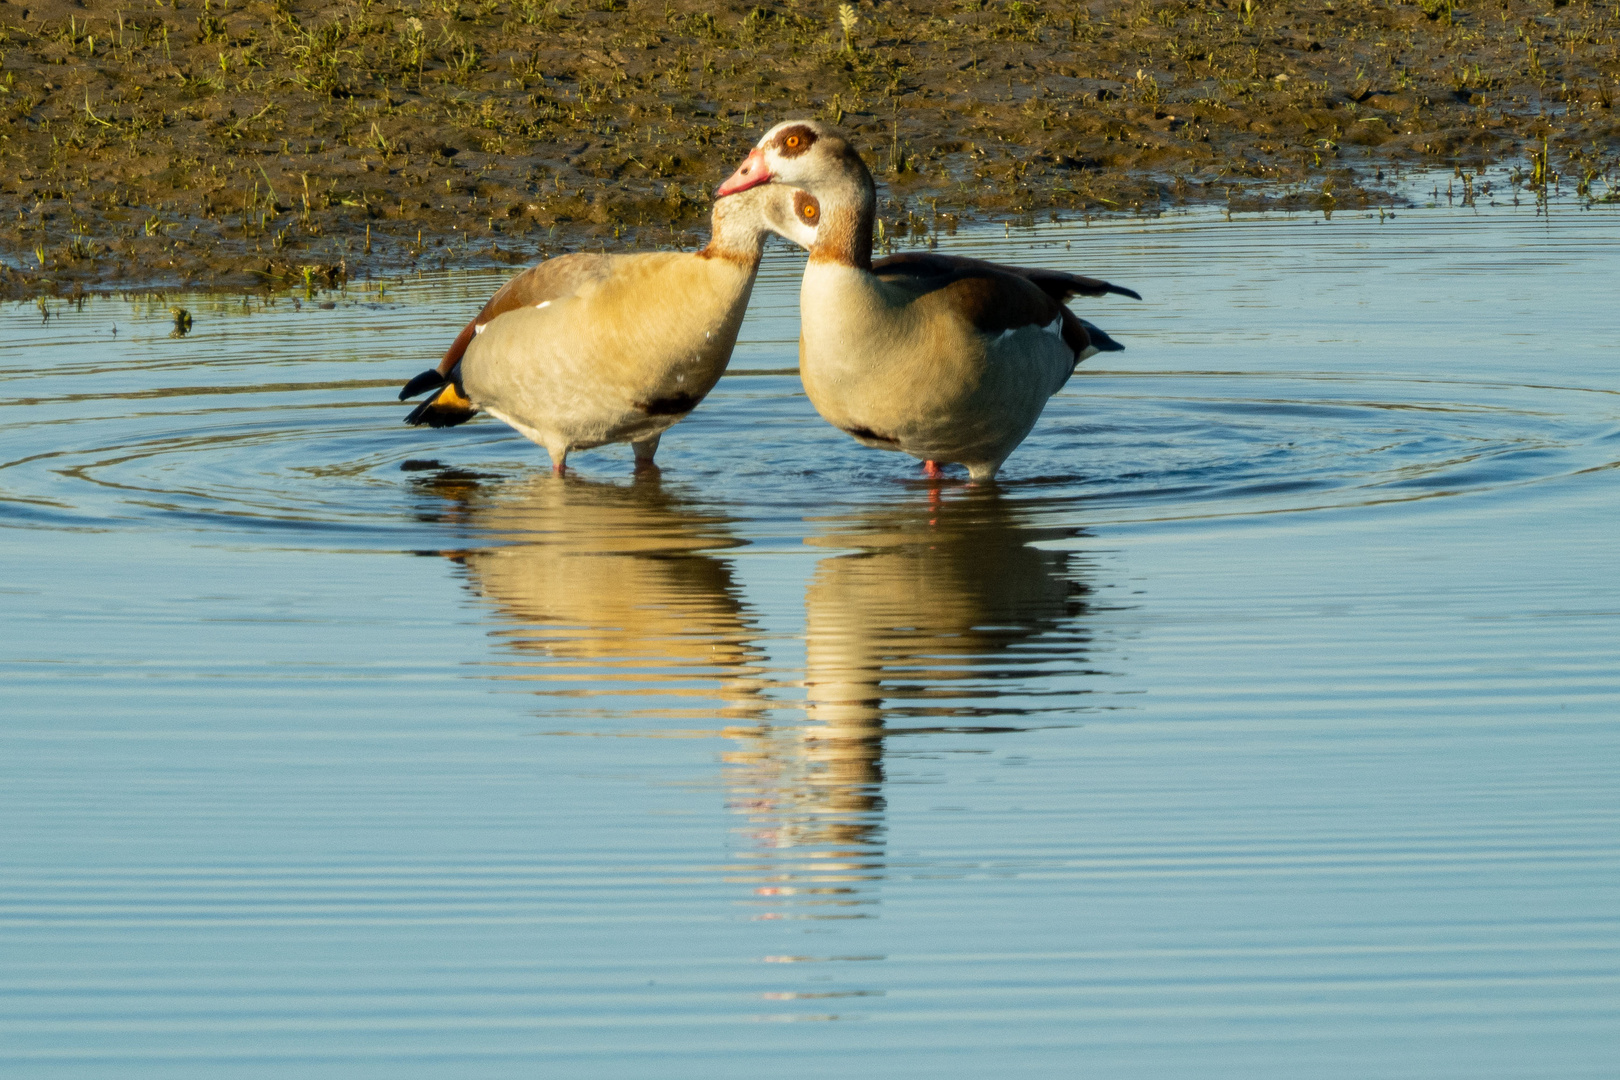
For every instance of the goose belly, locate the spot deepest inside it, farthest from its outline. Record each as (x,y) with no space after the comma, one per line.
(569,376)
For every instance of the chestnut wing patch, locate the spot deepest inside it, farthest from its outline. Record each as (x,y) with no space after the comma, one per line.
(996,298)
(984,294)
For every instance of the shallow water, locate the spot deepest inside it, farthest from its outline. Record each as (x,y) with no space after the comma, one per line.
(1262,722)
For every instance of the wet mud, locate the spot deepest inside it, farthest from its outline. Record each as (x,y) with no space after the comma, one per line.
(209,143)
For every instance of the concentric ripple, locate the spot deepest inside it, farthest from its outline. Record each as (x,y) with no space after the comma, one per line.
(323,460)
(1269,387)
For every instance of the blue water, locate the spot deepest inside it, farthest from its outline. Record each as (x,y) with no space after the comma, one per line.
(1264,721)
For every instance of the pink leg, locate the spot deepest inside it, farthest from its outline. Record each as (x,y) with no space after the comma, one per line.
(932,471)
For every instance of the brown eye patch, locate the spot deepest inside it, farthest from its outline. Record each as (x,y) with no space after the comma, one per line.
(794,141)
(806,207)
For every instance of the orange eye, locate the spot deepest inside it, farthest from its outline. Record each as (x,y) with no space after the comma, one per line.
(809,213)
(792,142)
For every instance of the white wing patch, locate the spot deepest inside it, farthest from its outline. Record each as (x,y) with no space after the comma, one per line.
(1055,328)
(478,328)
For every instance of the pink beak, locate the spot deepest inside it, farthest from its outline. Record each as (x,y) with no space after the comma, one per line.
(751,173)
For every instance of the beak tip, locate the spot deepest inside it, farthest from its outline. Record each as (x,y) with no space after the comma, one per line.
(751,173)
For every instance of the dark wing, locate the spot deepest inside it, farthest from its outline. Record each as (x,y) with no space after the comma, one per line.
(554,278)
(993,298)
(996,297)
(1055,283)
(1094,334)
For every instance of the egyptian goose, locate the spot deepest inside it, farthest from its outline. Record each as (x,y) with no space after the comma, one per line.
(584,350)
(943,358)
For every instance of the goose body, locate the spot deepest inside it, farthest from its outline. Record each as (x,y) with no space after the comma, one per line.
(946,359)
(904,368)
(585,350)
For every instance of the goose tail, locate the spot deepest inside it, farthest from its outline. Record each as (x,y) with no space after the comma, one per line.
(447,408)
(1099,340)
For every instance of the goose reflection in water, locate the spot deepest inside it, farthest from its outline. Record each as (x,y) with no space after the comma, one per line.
(937,617)
(933,617)
(610,595)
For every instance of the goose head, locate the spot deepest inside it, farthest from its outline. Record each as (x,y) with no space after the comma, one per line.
(806,154)
(832,212)
(743,218)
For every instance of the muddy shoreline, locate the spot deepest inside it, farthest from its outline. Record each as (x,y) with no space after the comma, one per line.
(217,144)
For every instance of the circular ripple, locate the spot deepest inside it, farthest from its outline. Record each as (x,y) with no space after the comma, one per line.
(1113,447)
(1217,444)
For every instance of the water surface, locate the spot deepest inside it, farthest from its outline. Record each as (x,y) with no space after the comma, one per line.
(1261,722)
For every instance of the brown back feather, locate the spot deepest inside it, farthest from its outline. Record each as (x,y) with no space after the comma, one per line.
(554,278)
(995,298)
(991,297)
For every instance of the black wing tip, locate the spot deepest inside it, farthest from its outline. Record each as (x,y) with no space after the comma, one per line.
(428,380)
(1061,285)
(431,414)
(1094,287)
(1100,340)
